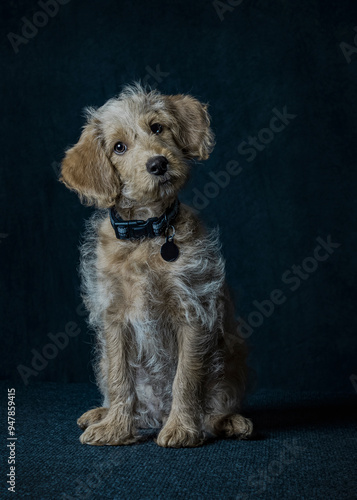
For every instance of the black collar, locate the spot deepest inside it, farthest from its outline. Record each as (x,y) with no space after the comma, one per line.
(136,229)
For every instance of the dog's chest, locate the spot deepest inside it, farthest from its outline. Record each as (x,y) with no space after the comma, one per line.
(142,281)
(142,287)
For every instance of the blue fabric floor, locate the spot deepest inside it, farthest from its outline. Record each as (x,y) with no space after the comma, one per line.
(305,448)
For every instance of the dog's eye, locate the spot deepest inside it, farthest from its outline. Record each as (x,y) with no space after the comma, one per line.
(156,128)
(120,148)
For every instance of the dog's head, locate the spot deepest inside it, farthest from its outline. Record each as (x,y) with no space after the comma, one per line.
(137,145)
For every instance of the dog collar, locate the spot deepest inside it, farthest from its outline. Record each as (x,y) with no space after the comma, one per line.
(136,229)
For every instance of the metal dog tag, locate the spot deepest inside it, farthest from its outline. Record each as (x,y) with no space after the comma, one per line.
(169,250)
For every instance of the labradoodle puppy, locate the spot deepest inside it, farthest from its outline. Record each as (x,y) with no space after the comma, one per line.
(168,350)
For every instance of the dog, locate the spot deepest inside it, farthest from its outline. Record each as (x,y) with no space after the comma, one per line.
(168,352)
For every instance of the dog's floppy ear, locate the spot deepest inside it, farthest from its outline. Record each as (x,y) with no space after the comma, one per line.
(192,126)
(87,170)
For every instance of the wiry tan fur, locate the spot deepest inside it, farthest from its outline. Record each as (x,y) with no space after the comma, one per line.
(168,349)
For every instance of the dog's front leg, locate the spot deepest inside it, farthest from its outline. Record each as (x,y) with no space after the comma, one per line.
(183,426)
(117,427)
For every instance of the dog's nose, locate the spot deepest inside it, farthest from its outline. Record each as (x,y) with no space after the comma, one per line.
(157,165)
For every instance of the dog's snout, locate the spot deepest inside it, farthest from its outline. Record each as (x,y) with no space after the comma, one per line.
(157,165)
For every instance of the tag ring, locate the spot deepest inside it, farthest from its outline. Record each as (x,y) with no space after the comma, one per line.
(170,238)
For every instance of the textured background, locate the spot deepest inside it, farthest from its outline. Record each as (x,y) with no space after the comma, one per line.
(301,185)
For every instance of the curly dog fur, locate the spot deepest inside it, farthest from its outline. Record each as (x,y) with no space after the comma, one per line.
(168,349)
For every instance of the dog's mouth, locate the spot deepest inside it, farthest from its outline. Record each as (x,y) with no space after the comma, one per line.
(165,179)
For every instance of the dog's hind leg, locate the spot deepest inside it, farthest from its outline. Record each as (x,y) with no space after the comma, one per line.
(229,426)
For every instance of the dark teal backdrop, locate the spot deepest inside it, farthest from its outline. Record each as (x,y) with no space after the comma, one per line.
(280,78)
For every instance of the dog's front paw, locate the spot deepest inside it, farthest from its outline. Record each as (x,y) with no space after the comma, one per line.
(175,434)
(92,417)
(109,432)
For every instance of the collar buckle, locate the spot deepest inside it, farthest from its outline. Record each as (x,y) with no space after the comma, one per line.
(139,228)
(136,229)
